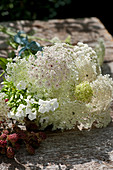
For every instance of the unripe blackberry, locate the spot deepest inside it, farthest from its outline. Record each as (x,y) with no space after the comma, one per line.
(10,152)
(3,143)
(13,138)
(3,136)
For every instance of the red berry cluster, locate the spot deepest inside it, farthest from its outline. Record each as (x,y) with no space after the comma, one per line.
(11,140)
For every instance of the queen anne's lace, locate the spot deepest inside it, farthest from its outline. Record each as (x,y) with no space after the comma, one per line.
(66,86)
(4,109)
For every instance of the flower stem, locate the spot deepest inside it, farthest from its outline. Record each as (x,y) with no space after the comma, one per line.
(2,74)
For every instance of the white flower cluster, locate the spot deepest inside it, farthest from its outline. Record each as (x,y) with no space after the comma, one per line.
(66,86)
(24,109)
(17,72)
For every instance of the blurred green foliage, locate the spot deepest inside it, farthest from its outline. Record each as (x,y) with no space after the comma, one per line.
(31,10)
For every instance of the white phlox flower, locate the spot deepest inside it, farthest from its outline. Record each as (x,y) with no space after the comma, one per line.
(11,114)
(32,114)
(20,112)
(53,104)
(46,106)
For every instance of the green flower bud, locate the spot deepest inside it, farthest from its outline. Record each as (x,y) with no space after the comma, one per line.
(83,92)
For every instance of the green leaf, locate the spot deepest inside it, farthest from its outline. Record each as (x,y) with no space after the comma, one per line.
(20,39)
(34,47)
(3,62)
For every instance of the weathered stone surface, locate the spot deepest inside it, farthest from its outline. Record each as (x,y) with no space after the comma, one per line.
(70,150)
(87,30)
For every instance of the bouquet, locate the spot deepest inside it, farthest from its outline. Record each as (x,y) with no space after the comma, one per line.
(60,86)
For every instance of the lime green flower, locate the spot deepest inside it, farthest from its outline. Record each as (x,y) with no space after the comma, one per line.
(84,92)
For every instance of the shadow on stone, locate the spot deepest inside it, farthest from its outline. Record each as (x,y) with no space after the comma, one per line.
(107,68)
(69,148)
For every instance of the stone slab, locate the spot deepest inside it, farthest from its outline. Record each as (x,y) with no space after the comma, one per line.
(87,30)
(69,150)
